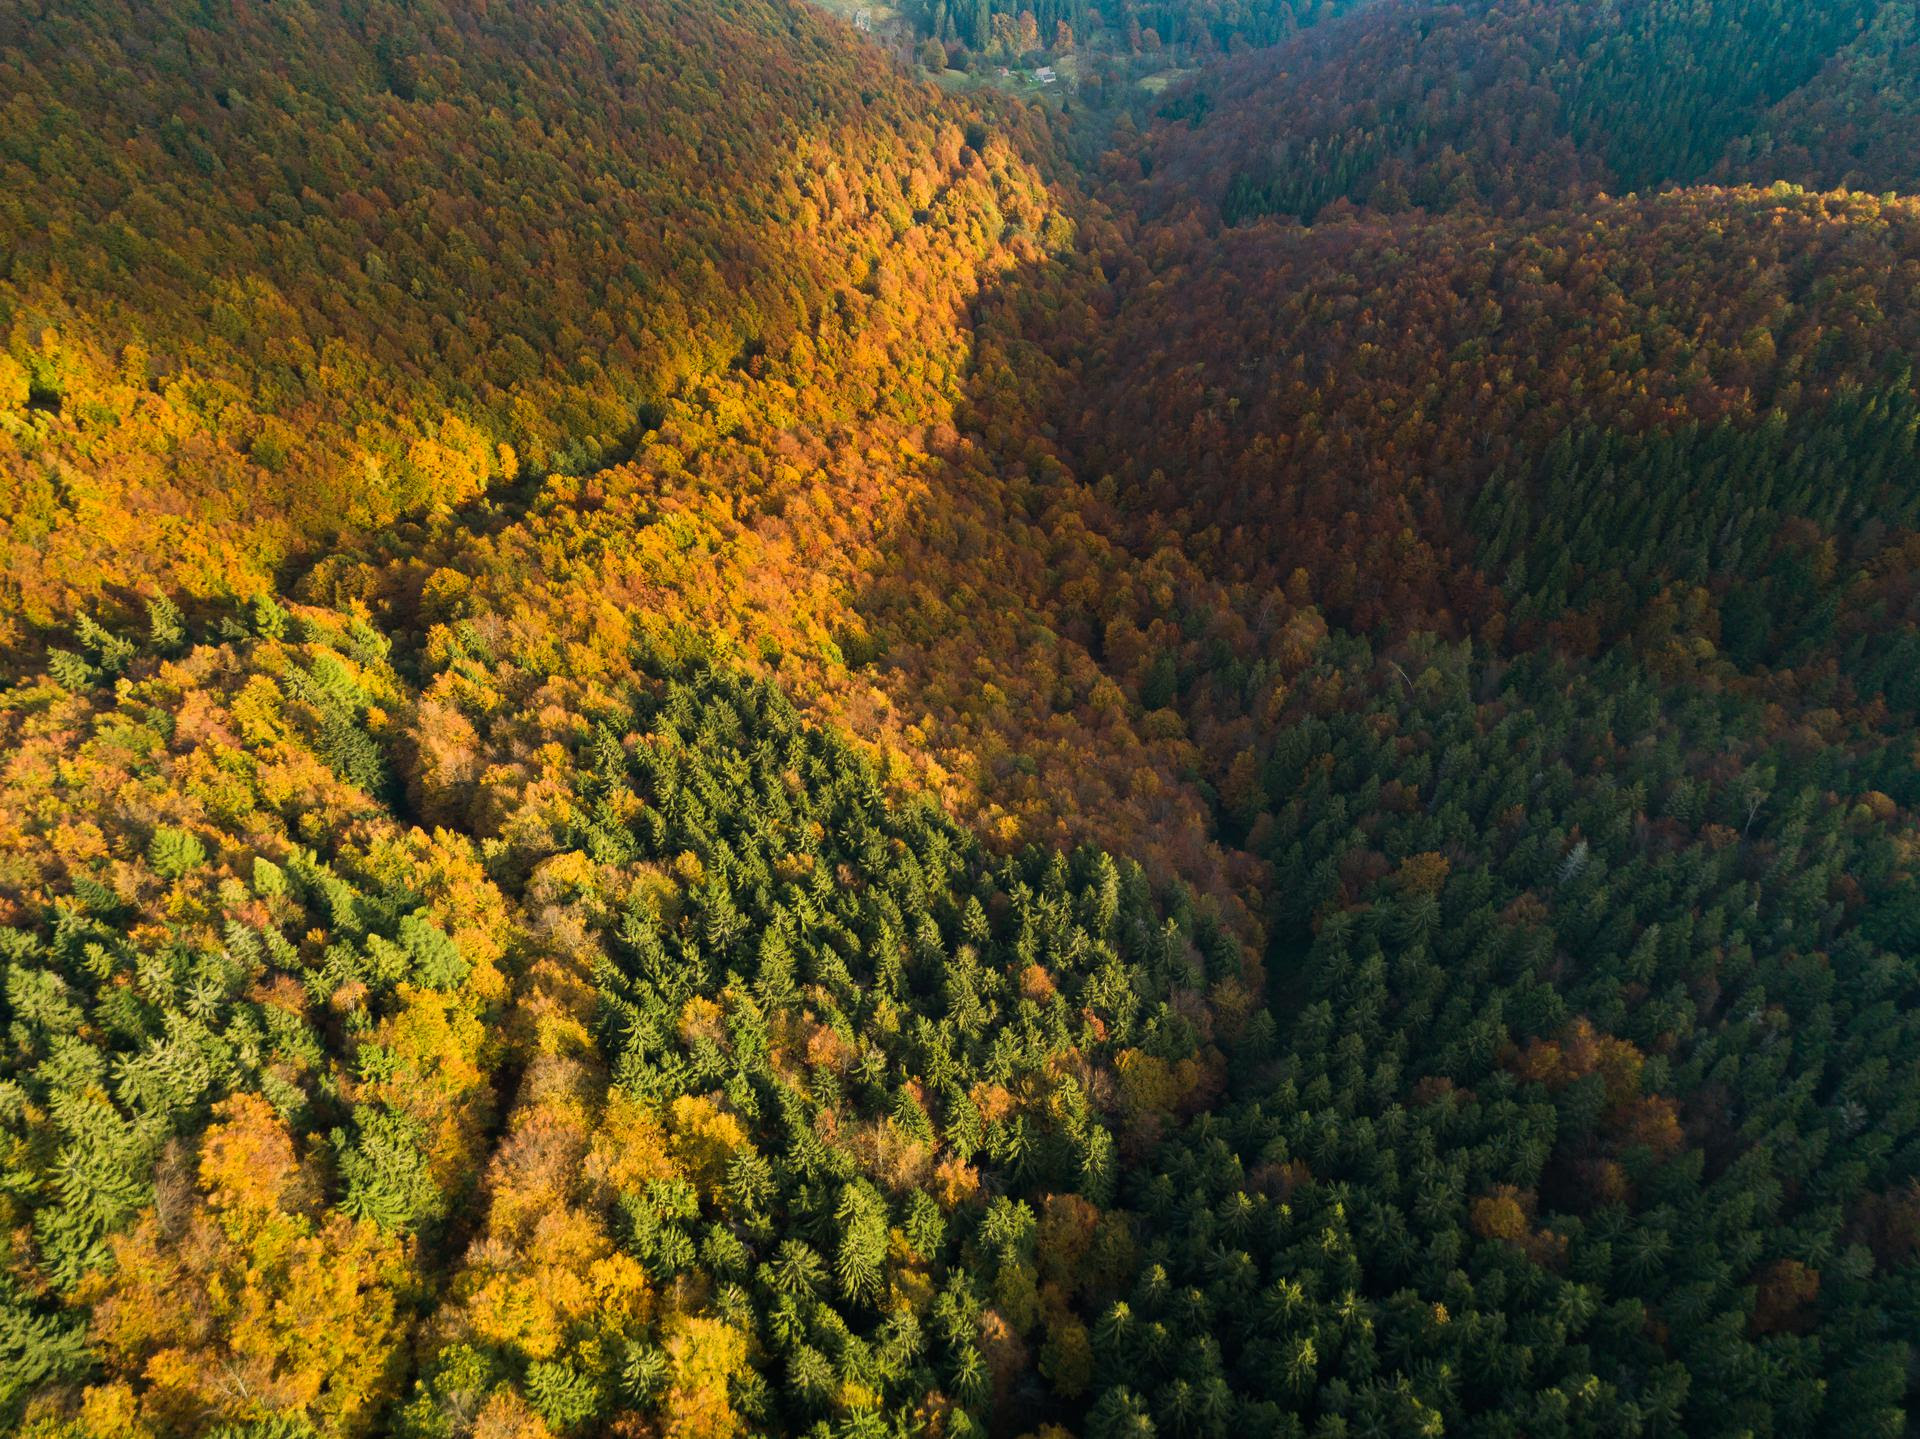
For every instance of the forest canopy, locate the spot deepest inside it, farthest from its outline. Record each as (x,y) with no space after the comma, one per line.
(698,738)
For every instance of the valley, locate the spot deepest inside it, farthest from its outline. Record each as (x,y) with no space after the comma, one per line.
(705,735)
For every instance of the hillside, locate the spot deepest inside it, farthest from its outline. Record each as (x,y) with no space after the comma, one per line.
(593,224)
(1539,610)
(277,275)
(695,743)
(1515,104)
(1851,124)
(1337,399)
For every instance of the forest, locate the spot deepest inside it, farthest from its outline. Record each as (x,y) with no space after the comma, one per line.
(699,738)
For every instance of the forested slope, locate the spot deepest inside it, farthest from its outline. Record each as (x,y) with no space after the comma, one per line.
(435,265)
(1853,123)
(1353,388)
(1037,804)
(1515,104)
(277,273)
